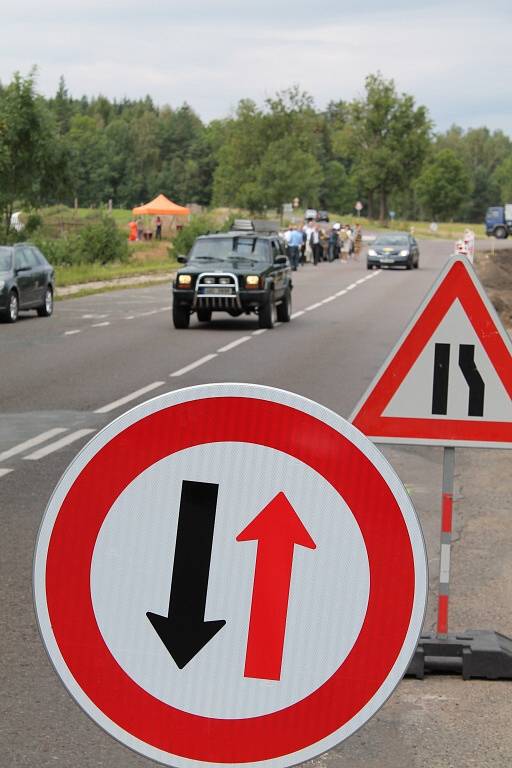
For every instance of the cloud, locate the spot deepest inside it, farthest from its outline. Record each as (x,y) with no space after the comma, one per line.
(213,54)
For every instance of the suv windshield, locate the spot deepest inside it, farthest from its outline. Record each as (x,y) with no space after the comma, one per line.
(391,240)
(5,259)
(229,249)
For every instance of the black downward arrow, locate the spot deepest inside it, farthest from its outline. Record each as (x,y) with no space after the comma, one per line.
(184,632)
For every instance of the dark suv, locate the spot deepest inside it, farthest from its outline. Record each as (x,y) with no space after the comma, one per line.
(26,281)
(243,271)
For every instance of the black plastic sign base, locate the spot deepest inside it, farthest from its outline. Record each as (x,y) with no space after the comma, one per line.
(478,653)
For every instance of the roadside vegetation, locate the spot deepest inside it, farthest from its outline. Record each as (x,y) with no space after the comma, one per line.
(381,149)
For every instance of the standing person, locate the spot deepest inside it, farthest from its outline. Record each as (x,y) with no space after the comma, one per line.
(316,245)
(358,241)
(158,228)
(140,228)
(334,248)
(308,248)
(294,243)
(349,241)
(343,243)
(132,237)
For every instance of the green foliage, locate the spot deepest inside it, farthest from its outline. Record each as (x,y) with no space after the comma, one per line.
(502,178)
(97,242)
(443,185)
(30,155)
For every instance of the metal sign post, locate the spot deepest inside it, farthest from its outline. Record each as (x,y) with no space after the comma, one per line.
(446,541)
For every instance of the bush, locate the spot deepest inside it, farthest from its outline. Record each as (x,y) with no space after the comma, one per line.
(100,242)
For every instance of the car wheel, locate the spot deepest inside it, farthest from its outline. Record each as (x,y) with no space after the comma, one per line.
(500,233)
(13,308)
(284,309)
(417,265)
(267,314)
(180,316)
(408,265)
(46,310)
(369,266)
(204,315)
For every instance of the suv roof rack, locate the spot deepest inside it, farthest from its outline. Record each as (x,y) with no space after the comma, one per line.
(262,226)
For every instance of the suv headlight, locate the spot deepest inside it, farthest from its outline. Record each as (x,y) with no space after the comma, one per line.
(184,281)
(252,281)
(404,252)
(372,252)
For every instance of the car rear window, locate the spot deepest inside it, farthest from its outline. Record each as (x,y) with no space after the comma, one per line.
(5,259)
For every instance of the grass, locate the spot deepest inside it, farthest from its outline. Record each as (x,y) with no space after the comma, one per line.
(88,273)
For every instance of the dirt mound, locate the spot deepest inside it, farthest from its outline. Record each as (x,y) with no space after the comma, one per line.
(495,272)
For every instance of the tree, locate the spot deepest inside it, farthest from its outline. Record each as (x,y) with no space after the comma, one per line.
(287,171)
(503,180)
(443,185)
(31,159)
(388,139)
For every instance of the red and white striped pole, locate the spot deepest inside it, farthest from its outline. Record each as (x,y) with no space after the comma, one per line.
(446,541)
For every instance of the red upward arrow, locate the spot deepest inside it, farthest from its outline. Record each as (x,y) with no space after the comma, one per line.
(277,529)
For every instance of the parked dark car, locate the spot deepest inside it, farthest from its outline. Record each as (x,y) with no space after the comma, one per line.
(394,250)
(239,272)
(27,281)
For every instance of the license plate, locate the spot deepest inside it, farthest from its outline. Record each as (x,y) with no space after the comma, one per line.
(387,261)
(216,291)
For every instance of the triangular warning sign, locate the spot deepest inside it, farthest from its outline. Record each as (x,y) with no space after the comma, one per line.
(448,381)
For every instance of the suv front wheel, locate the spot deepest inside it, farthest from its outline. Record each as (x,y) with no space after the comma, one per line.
(267,314)
(284,309)
(180,316)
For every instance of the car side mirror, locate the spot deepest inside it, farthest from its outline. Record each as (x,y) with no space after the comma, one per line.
(182,259)
(280,260)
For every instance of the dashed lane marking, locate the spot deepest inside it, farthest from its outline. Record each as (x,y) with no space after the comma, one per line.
(32,442)
(234,344)
(100,325)
(195,364)
(128,398)
(259,331)
(313,306)
(297,314)
(58,444)
(4,472)
(72,333)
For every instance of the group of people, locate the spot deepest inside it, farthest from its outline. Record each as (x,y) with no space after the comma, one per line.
(137,232)
(313,243)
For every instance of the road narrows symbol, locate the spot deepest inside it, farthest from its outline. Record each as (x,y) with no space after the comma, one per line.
(469,371)
(184,632)
(277,529)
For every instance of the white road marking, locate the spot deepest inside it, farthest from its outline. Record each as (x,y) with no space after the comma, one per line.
(313,306)
(147,314)
(130,317)
(128,398)
(196,364)
(328,299)
(71,333)
(234,344)
(358,282)
(94,317)
(259,331)
(58,444)
(28,444)
(297,314)
(100,325)
(341,293)
(349,287)
(4,472)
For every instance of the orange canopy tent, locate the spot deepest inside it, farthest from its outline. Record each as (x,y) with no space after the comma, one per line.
(161,206)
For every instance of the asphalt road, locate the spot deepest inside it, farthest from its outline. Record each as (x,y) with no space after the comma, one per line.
(63,378)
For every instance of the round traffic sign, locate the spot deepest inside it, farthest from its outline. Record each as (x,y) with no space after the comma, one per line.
(230,574)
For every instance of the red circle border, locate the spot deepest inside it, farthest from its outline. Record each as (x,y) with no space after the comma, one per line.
(230,419)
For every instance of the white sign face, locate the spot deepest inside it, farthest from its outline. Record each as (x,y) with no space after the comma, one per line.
(449,379)
(212,575)
(358,206)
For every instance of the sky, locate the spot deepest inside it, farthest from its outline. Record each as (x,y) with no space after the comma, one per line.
(454,56)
